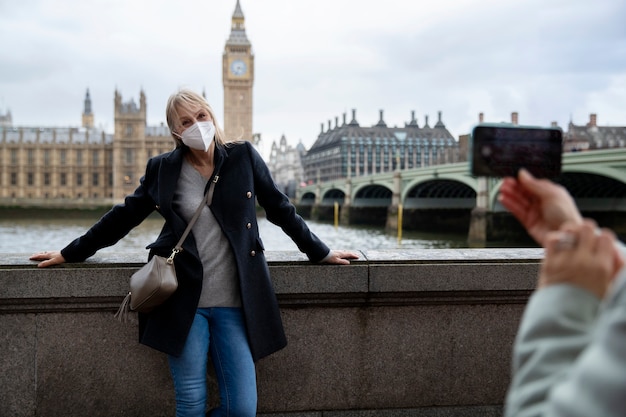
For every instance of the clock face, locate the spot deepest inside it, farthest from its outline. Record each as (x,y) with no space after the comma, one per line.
(238,67)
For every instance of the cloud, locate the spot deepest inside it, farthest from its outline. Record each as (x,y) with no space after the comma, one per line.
(549,60)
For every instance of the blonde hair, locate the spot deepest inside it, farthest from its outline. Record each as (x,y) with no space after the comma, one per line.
(185,98)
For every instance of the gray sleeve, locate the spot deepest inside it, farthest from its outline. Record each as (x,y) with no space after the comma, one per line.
(555,328)
(570,355)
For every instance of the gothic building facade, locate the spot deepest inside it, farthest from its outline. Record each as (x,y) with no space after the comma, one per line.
(79,165)
(285,164)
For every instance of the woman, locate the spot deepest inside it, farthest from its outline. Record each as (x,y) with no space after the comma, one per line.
(225,305)
(568,357)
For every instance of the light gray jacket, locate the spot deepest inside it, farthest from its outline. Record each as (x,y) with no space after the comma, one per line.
(569,357)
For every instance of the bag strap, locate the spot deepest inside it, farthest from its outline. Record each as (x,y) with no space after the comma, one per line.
(208,199)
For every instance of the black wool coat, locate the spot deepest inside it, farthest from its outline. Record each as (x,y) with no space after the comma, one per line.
(243,176)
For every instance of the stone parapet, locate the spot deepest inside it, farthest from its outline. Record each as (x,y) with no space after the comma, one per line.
(397,333)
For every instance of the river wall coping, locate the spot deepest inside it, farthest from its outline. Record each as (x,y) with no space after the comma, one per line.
(376,272)
(138,258)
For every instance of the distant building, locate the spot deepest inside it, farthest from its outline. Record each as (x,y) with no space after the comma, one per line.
(285,164)
(5,119)
(350,150)
(592,136)
(52,166)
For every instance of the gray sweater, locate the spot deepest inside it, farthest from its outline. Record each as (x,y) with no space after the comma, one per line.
(220,286)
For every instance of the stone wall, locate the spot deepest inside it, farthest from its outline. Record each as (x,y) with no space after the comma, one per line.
(397,333)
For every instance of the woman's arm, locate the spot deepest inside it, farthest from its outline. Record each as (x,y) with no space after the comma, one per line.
(556,327)
(112,226)
(560,326)
(282,213)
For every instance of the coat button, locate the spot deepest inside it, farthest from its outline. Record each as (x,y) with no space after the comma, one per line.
(248,225)
(249,194)
(252,253)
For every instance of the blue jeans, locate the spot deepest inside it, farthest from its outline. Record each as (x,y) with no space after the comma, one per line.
(222,333)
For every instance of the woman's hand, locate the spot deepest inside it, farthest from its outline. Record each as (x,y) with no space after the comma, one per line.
(47,258)
(540,205)
(581,255)
(340,257)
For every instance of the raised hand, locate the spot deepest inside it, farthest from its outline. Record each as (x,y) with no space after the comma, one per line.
(540,205)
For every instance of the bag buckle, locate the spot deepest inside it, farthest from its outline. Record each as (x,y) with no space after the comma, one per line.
(170,260)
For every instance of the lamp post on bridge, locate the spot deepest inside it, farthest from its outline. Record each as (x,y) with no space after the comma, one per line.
(477,236)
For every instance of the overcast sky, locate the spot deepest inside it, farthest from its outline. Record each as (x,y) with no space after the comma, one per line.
(549,60)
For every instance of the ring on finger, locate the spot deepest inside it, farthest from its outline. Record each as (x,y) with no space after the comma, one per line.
(566,241)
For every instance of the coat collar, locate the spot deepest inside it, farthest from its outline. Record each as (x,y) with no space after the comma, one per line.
(170,171)
(168,176)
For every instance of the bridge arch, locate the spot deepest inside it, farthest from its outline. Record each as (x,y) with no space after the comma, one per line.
(440,193)
(332,196)
(372,195)
(595,192)
(308,199)
(597,169)
(591,185)
(593,189)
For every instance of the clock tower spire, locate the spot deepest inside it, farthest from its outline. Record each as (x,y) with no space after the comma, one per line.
(238,79)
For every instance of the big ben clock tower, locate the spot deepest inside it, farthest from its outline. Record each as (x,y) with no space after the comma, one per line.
(238,78)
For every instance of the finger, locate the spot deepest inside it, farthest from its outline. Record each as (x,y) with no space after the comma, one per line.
(345,254)
(607,243)
(570,235)
(43,264)
(514,204)
(566,241)
(558,242)
(527,179)
(587,236)
(540,187)
(49,262)
(508,186)
(516,199)
(618,258)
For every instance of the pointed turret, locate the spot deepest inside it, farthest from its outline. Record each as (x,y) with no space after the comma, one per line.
(381,121)
(413,122)
(439,121)
(238,28)
(87,113)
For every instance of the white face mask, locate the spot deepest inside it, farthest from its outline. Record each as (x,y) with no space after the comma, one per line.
(199,135)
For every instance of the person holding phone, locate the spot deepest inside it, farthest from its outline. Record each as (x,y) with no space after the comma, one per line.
(569,356)
(225,305)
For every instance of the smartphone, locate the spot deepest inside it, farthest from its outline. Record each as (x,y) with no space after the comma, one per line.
(500,150)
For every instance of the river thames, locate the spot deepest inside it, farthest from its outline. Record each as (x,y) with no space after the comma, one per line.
(25,235)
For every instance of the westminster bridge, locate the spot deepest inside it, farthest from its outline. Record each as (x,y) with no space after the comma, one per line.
(447,197)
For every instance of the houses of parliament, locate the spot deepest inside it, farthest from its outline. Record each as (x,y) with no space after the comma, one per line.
(85,166)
